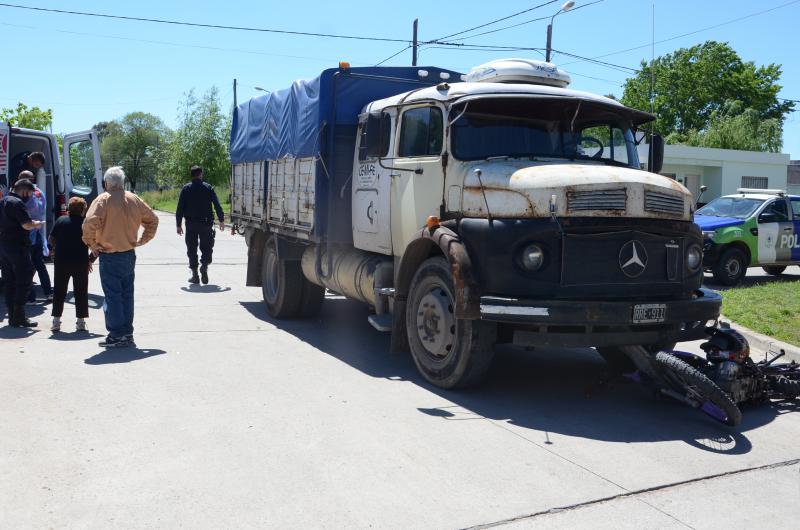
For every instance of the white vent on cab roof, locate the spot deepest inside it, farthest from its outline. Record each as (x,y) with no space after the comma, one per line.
(519,71)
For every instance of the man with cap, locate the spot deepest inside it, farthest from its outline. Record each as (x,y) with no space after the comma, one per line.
(15,253)
(195,205)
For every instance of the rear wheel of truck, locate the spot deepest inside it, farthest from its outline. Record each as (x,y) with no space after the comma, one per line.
(731,267)
(774,270)
(281,283)
(448,352)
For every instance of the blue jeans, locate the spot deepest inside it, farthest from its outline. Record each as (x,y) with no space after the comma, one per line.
(116,277)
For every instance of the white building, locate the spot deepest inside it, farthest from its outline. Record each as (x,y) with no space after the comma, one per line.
(722,170)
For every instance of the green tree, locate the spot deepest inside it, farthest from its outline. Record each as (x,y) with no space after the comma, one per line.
(735,127)
(201,138)
(692,84)
(132,142)
(28,117)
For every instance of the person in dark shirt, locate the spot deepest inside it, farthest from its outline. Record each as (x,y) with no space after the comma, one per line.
(26,161)
(15,253)
(71,260)
(195,205)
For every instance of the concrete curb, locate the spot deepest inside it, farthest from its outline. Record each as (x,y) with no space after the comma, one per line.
(764,343)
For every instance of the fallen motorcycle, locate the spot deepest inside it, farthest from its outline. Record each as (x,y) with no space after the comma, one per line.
(717,384)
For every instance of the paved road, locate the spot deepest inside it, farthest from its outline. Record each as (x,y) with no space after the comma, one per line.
(225,418)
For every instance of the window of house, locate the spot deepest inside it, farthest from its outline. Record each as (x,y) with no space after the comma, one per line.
(760,183)
(421,132)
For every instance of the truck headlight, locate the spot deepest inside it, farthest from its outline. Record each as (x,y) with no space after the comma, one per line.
(532,257)
(709,234)
(694,257)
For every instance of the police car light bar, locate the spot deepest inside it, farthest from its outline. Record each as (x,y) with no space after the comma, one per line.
(765,192)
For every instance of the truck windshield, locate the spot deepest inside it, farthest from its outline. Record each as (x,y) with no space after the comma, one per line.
(739,207)
(542,128)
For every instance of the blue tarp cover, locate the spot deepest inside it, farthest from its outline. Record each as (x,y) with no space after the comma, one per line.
(289,122)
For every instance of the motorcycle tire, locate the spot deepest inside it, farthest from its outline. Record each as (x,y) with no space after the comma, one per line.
(716,403)
(790,388)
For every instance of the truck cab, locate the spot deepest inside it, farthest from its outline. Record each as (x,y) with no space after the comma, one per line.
(496,207)
(78,173)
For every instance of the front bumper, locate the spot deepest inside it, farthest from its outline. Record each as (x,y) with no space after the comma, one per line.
(574,323)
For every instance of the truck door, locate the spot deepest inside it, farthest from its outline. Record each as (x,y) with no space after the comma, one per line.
(775,230)
(417,174)
(372,185)
(83,173)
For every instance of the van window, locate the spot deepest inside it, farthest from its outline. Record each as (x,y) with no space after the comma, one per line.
(81,161)
(421,132)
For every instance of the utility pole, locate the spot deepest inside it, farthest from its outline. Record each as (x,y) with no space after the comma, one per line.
(234,94)
(414,45)
(549,39)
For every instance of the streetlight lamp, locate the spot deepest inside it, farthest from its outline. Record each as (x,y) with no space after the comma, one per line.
(566,7)
(261,89)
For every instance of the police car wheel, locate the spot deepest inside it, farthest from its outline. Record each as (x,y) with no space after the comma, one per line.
(448,352)
(774,270)
(731,267)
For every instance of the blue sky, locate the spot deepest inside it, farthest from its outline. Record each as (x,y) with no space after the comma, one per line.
(88,70)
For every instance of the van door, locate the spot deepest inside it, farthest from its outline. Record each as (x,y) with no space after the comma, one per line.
(5,155)
(83,173)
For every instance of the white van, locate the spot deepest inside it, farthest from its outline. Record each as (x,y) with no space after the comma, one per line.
(77,174)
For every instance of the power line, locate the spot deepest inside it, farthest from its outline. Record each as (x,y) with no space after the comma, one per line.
(392,56)
(751,15)
(523,23)
(498,20)
(167,43)
(200,25)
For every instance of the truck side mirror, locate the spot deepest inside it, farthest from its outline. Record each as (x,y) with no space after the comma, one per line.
(655,157)
(376,139)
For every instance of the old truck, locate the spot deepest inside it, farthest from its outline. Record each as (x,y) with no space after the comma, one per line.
(466,211)
(77,174)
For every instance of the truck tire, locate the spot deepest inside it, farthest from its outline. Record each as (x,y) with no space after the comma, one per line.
(731,267)
(311,301)
(448,352)
(281,283)
(774,270)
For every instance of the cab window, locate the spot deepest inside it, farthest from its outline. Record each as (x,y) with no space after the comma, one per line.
(421,132)
(796,209)
(775,212)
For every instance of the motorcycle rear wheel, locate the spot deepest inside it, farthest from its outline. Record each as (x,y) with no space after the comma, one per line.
(790,388)
(686,380)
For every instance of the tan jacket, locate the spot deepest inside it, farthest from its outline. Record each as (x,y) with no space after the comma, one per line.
(113,220)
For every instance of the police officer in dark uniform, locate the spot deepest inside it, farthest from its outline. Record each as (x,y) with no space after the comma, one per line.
(195,205)
(15,251)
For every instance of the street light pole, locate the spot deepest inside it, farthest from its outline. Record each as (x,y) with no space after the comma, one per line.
(564,8)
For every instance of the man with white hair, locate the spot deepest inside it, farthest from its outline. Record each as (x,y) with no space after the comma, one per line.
(111,230)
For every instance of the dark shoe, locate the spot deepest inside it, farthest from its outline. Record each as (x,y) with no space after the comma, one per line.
(195,278)
(204,275)
(115,342)
(19,320)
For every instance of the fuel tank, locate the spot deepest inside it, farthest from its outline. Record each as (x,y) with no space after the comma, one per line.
(353,273)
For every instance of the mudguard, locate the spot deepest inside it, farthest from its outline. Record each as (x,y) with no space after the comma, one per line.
(424,245)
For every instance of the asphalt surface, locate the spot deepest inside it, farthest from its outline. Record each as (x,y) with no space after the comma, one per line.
(225,418)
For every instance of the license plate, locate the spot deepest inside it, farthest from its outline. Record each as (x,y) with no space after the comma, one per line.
(649,313)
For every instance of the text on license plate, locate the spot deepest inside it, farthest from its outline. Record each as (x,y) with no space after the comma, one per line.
(649,313)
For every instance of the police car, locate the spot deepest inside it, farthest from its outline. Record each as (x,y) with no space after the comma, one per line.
(749,229)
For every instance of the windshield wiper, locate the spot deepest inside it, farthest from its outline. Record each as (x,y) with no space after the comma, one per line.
(604,160)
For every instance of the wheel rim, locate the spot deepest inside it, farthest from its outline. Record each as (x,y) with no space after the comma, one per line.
(436,322)
(271,277)
(733,268)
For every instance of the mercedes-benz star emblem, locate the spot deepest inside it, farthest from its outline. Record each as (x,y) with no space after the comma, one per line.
(633,258)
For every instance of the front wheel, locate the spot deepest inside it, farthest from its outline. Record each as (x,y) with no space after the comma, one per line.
(692,387)
(774,270)
(731,267)
(448,352)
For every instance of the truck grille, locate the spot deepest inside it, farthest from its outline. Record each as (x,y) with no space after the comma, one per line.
(663,203)
(596,200)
